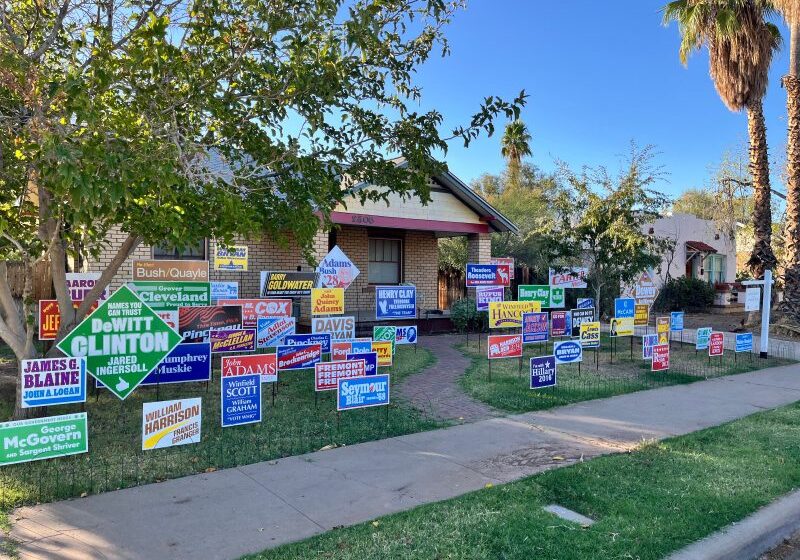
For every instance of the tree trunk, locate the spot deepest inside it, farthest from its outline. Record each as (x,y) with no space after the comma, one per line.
(791,300)
(762,257)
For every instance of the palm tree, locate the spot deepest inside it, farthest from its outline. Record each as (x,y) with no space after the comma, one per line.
(516,143)
(741,43)
(790,10)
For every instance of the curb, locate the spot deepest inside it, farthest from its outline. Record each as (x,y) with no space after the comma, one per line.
(754,535)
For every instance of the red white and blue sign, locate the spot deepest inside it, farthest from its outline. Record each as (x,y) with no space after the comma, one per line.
(270,331)
(50,381)
(488,275)
(560,323)
(241,399)
(406,335)
(648,341)
(370,361)
(486,295)
(189,362)
(624,308)
(568,351)
(395,302)
(362,392)
(298,357)
(543,372)
(535,327)
(323,339)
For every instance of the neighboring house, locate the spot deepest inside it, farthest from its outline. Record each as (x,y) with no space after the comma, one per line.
(700,250)
(390,244)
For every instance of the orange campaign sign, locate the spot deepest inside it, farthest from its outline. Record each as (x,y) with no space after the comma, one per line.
(384,350)
(170,271)
(504,346)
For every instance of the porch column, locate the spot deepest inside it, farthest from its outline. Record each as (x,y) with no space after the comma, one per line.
(479,248)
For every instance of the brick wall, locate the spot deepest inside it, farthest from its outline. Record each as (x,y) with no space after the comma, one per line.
(479,250)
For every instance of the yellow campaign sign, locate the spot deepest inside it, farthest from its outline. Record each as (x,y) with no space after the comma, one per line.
(590,334)
(641,314)
(233,258)
(327,301)
(384,350)
(662,328)
(622,326)
(508,314)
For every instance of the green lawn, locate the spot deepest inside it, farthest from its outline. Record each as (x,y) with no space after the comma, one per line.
(294,425)
(509,390)
(647,503)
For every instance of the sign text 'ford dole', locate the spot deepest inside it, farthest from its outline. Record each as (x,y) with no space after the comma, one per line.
(504,346)
(51,381)
(43,438)
(488,275)
(171,423)
(123,341)
(395,302)
(362,392)
(170,271)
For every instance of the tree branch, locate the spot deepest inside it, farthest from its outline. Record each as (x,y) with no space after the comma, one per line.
(11,313)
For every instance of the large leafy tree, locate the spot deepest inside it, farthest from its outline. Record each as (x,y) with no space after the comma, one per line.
(177,120)
(741,43)
(602,218)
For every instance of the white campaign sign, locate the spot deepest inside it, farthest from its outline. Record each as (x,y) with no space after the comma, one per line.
(752,299)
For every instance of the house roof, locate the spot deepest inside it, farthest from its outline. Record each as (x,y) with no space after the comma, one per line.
(700,247)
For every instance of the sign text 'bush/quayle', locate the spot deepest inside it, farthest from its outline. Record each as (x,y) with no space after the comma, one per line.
(362,392)
(123,341)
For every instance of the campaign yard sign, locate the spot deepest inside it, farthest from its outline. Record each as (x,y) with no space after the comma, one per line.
(660,360)
(487,275)
(253,309)
(169,296)
(621,326)
(158,270)
(122,341)
(752,298)
(385,333)
(322,339)
(79,284)
(579,316)
(662,328)
(644,289)
(507,261)
(557,297)
(504,346)
(535,327)
(50,318)
(233,340)
(298,357)
(585,302)
(508,314)
(287,284)
(534,292)
(327,374)
(232,259)
(340,350)
(560,323)
(648,341)
(383,349)
(370,361)
(171,423)
(264,365)
(406,334)
(270,331)
(340,328)
(624,308)
(716,344)
(590,334)
(187,363)
(641,315)
(703,337)
(43,438)
(224,290)
(51,381)
(336,270)
(676,321)
(195,323)
(570,277)
(744,342)
(487,294)
(395,302)
(361,345)
(362,392)
(568,351)
(543,372)
(327,301)
(240,396)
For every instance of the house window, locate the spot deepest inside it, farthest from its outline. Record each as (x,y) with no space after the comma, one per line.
(384,261)
(195,252)
(715,268)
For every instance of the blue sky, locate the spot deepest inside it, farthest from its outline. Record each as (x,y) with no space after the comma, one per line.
(599,75)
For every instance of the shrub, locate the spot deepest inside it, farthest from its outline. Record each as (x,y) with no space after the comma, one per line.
(690,294)
(466,317)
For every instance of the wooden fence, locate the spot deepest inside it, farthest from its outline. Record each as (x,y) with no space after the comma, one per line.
(452,285)
(42,280)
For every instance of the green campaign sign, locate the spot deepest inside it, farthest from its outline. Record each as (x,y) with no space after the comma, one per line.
(123,341)
(43,438)
(556,297)
(385,333)
(534,292)
(169,296)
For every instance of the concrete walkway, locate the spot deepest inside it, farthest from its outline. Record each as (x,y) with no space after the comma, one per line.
(435,391)
(229,513)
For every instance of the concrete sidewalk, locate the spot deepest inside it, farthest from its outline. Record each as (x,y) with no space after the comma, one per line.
(229,513)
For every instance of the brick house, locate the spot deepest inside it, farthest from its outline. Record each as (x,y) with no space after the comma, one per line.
(390,244)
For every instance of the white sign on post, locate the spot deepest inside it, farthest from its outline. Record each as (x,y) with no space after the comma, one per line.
(752,299)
